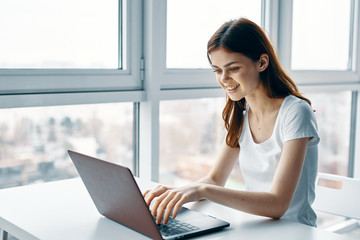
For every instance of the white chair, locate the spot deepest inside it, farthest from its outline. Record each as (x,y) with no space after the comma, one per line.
(339,196)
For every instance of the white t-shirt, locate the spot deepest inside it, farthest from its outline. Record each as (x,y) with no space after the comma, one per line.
(258,162)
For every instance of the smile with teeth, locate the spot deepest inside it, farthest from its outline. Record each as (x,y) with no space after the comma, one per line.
(231,88)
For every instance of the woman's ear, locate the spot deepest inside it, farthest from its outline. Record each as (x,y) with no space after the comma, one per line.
(263,62)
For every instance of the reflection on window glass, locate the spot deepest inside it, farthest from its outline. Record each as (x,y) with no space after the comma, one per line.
(333,111)
(188,31)
(59,34)
(191,135)
(34,141)
(320,34)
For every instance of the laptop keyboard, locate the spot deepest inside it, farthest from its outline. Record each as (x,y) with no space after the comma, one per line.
(174,227)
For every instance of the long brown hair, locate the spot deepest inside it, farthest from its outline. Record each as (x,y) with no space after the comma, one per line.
(245,37)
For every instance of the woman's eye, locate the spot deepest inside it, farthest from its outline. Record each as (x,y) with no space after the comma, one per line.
(234,68)
(217,71)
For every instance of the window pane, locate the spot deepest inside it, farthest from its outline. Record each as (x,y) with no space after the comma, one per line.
(333,112)
(34,141)
(188,32)
(59,34)
(321,34)
(191,135)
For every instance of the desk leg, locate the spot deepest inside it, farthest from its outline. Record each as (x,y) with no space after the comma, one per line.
(3,235)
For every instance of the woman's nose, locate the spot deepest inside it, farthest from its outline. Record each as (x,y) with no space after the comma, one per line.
(224,77)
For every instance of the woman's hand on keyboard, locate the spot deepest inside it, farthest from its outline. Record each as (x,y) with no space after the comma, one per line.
(167,199)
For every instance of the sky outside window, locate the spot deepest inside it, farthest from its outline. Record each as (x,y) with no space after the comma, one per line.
(70,34)
(321,35)
(190,24)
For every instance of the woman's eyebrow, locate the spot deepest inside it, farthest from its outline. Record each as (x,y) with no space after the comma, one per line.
(226,65)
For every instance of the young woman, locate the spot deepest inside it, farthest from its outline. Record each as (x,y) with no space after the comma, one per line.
(271,131)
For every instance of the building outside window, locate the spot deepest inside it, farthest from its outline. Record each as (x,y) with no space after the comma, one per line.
(34,141)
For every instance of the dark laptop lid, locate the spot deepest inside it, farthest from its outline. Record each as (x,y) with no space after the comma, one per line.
(115,193)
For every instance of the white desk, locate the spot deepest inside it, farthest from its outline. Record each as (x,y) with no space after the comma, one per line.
(64,210)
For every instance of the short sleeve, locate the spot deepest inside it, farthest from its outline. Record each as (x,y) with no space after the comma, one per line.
(300,122)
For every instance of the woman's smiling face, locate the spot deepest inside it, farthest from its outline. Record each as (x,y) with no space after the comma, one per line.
(237,74)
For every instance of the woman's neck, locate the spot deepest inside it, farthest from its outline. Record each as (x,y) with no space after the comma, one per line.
(261,105)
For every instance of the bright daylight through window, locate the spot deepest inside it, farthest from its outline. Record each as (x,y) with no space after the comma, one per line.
(321,35)
(59,34)
(191,134)
(192,131)
(334,134)
(187,39)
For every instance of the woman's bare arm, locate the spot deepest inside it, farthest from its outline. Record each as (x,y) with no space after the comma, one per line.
(274,203)
(223,166)
(271,204)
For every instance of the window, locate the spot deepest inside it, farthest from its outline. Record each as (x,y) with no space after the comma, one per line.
(188,31)
(34,141)
(186,28)
(321,35)
(332,111)
(70,46)
(67,53)
(59,34)
(334,133)
(191,134)
(323,41)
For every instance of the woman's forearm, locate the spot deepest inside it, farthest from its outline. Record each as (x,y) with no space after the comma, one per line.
(260,203)
(209,180)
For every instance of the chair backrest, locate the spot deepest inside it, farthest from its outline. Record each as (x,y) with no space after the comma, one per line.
(337,195)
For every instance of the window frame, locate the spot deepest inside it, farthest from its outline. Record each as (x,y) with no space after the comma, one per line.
(318,77)
(23,81)
(356,163)
(167,84)
(327,80)
(182,78)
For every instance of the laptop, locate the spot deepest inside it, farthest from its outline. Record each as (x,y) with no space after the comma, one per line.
(117,196)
